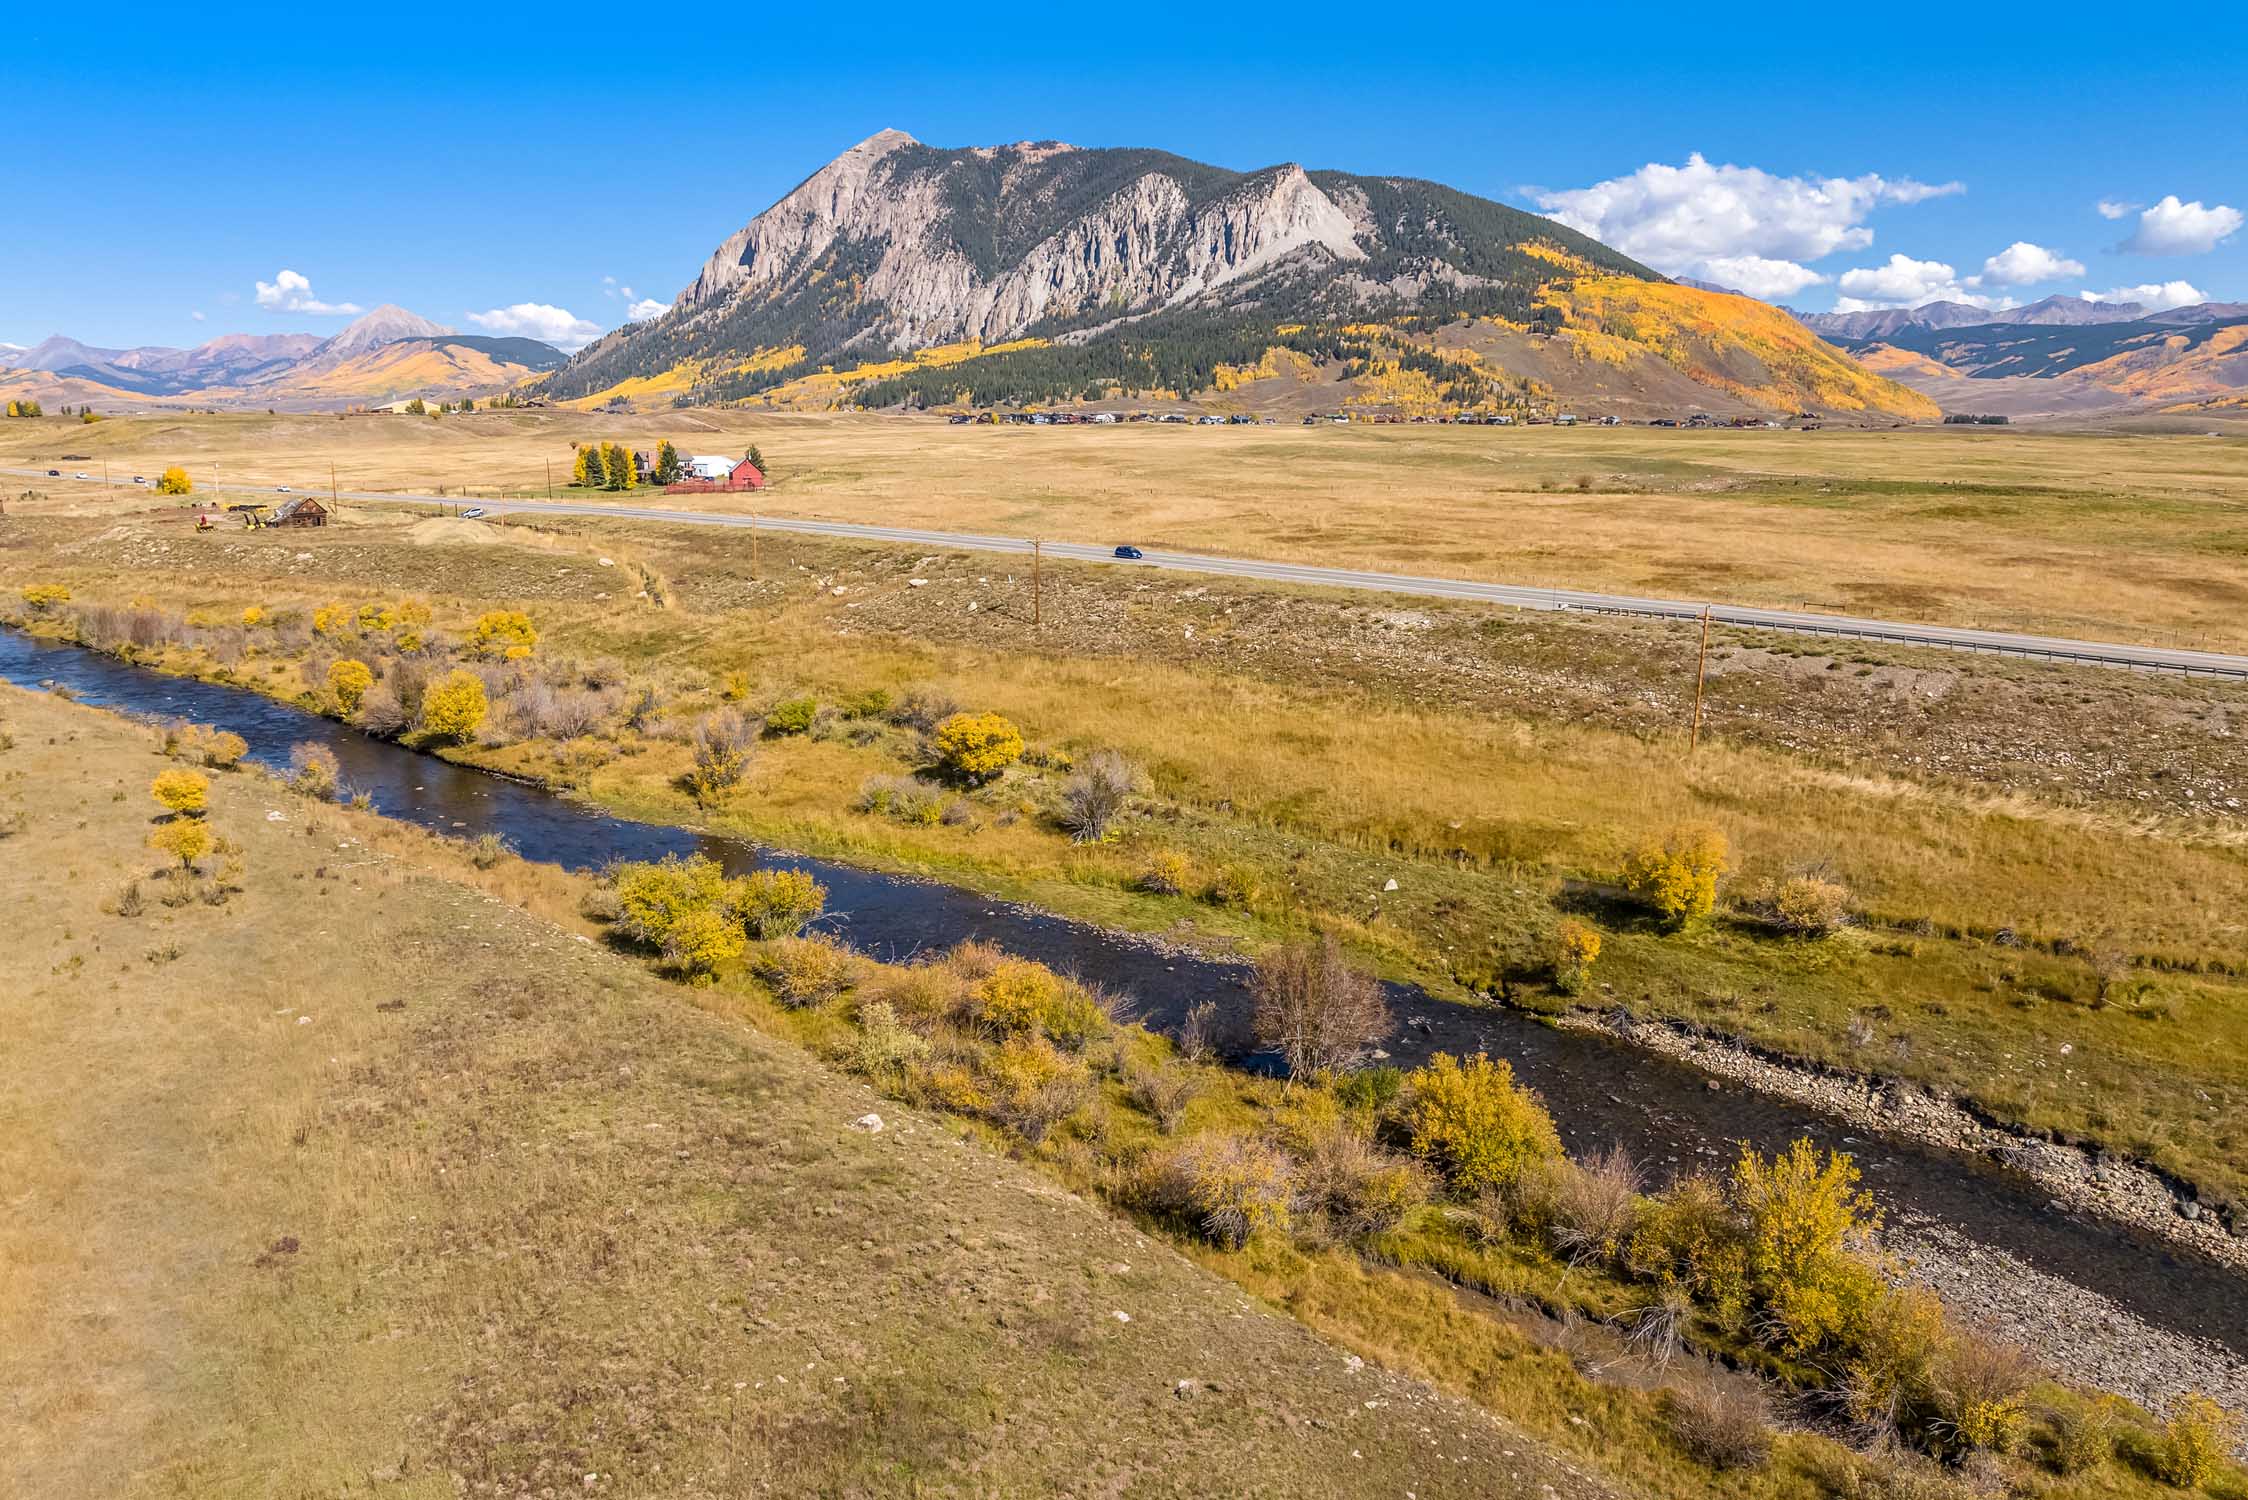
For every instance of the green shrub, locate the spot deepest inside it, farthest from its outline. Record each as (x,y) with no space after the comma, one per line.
(776,903)
(885,1046)
(902,798)
(1167,873)
(1474,1125)
(2196,1435)
(867,703)
(791,716)
(1687,1237)
(2083,1434)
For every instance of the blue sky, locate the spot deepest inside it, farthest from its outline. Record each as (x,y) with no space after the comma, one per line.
(467,161)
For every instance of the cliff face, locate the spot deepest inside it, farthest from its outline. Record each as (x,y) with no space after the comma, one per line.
(895,246)
(1146,243)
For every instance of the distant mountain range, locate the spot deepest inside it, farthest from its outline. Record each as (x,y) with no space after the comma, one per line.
(2051,312)
(2063,356)
(904,274)
(386,355)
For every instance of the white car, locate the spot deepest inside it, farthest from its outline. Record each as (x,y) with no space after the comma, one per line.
(282,489)
(473,513)
(81,476)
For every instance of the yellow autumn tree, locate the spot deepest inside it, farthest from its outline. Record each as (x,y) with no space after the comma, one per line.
(174,481)
(181,793)
(585,469)
(977,747)
(349,680)
(1676,875)
(1801,1214)
(504,633)
(184,839)
(454,706)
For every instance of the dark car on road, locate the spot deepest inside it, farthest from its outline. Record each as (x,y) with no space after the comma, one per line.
(1132,552)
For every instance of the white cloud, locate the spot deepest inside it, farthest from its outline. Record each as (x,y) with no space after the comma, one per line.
(558,326)
(197,315)
(2153,296)
(1686,219)
(646,308)
(1760,277)
(2174,228)
(2116,208)
(1905,282)
(2025,264)
(290,292)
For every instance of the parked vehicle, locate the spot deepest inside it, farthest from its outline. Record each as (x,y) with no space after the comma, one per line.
(1129,552)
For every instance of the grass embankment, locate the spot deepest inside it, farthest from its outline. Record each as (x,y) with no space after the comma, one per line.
(565,1223)
(366,1182)
(2109,537)
(2068,970)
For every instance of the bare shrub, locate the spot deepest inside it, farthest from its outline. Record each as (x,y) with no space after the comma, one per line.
(1165,1093)
(1233,1186)
(1981,1395)
(1656,1330)
(314,770)
(1723,1426)
(721,749)
(1322,1014)
(487,850)
(1096,796)
(1208,1034)
(382,714)
(924,709)
(806,971)
(1595,1206)
(903,798)
(1361,1188)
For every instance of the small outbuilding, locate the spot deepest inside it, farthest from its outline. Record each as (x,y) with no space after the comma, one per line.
(302,511)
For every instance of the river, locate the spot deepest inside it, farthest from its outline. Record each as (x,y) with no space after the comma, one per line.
(1601,1091)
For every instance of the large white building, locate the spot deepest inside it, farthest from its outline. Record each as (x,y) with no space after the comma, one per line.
(709,466)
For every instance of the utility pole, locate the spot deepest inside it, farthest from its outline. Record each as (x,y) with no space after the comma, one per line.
(333,499)
(550,479)
(753,543)
(1701,675)
(1037,592)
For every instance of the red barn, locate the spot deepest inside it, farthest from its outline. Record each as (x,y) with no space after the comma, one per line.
(743,476)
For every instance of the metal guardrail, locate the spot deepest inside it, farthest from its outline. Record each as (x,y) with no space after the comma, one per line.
(2082,655)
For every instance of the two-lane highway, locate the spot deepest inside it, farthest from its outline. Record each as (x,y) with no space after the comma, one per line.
(1996,642)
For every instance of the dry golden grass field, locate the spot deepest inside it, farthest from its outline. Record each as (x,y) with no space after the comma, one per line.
(2125,536)
(369,1182)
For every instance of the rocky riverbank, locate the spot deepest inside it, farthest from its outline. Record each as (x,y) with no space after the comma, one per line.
(2067,1326)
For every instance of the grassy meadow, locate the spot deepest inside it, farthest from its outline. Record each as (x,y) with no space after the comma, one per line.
(2074,967)
(437,1195)
(374,1178)
(2138,537)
